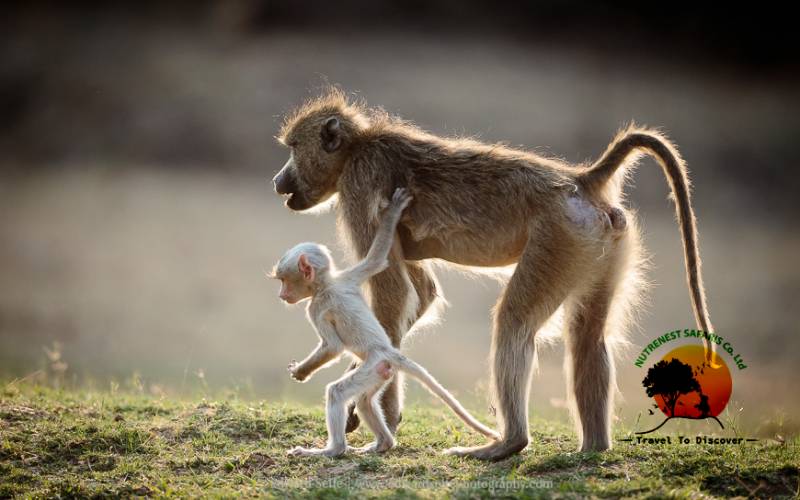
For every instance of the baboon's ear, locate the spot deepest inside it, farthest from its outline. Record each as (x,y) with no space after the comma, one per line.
(331,135)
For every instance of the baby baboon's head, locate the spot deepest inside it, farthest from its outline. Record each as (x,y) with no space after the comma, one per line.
(301,269)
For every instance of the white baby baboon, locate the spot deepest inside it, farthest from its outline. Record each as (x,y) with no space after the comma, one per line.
(345,323)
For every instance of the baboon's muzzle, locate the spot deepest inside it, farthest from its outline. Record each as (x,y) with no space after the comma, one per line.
(285,183)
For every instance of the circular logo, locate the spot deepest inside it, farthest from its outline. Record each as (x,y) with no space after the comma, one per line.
(684,385)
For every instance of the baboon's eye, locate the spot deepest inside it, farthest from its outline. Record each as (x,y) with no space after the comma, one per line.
(292,144)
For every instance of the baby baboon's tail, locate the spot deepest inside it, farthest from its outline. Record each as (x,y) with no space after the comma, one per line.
(421,374)
(633,140)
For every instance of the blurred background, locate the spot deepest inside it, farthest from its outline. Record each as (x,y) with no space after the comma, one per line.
(137,215)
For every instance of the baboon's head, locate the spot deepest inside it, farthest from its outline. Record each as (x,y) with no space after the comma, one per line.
(319,135)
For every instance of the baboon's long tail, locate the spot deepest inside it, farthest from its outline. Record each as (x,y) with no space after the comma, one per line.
(418,372)
(630,141)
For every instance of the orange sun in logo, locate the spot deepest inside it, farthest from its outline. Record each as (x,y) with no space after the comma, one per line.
(715,385)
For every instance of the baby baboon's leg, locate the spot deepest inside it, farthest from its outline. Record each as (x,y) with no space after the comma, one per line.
(423,294)
(390,292)
(391,297)
(370,410)
(539,285)
(337,395)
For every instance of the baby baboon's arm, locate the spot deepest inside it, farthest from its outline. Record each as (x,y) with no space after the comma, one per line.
(322,355)
(377,257)
(329,348)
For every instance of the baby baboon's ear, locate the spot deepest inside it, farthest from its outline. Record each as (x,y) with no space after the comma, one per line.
(306,269)
(331,134)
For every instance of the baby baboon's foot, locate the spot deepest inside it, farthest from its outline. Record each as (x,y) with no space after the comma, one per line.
(497,450)
(374,447)
(299,451)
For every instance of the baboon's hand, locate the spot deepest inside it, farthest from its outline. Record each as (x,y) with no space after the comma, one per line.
(294,372)
(400,200)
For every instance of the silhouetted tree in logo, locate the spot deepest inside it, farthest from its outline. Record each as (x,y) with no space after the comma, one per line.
(670,380)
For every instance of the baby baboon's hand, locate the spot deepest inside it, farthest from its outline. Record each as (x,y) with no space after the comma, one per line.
(294,373)
(400,199)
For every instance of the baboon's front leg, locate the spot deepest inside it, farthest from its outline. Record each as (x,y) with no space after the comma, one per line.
(425,285)
(392,295)
(393,292)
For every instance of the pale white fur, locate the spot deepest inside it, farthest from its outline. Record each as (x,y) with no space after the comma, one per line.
(345,324)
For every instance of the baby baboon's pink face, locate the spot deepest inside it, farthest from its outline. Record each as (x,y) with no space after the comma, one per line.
(298,282)
(293,290)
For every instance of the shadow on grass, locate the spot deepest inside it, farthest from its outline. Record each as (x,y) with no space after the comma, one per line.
(756,483)
(571,460)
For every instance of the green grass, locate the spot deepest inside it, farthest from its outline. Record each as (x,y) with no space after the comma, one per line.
(83,444)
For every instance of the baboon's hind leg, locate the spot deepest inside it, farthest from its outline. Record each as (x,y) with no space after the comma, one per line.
(590,371)
(537,288)
(589,359)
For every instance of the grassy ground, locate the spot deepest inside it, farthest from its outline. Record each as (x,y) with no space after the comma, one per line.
(68,444)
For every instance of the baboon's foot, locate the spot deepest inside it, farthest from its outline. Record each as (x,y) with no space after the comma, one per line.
(599,444)
(497,450)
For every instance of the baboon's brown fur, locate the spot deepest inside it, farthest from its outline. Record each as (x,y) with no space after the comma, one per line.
(479,204)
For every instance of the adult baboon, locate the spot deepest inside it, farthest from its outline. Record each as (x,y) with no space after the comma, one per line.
(489,205)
